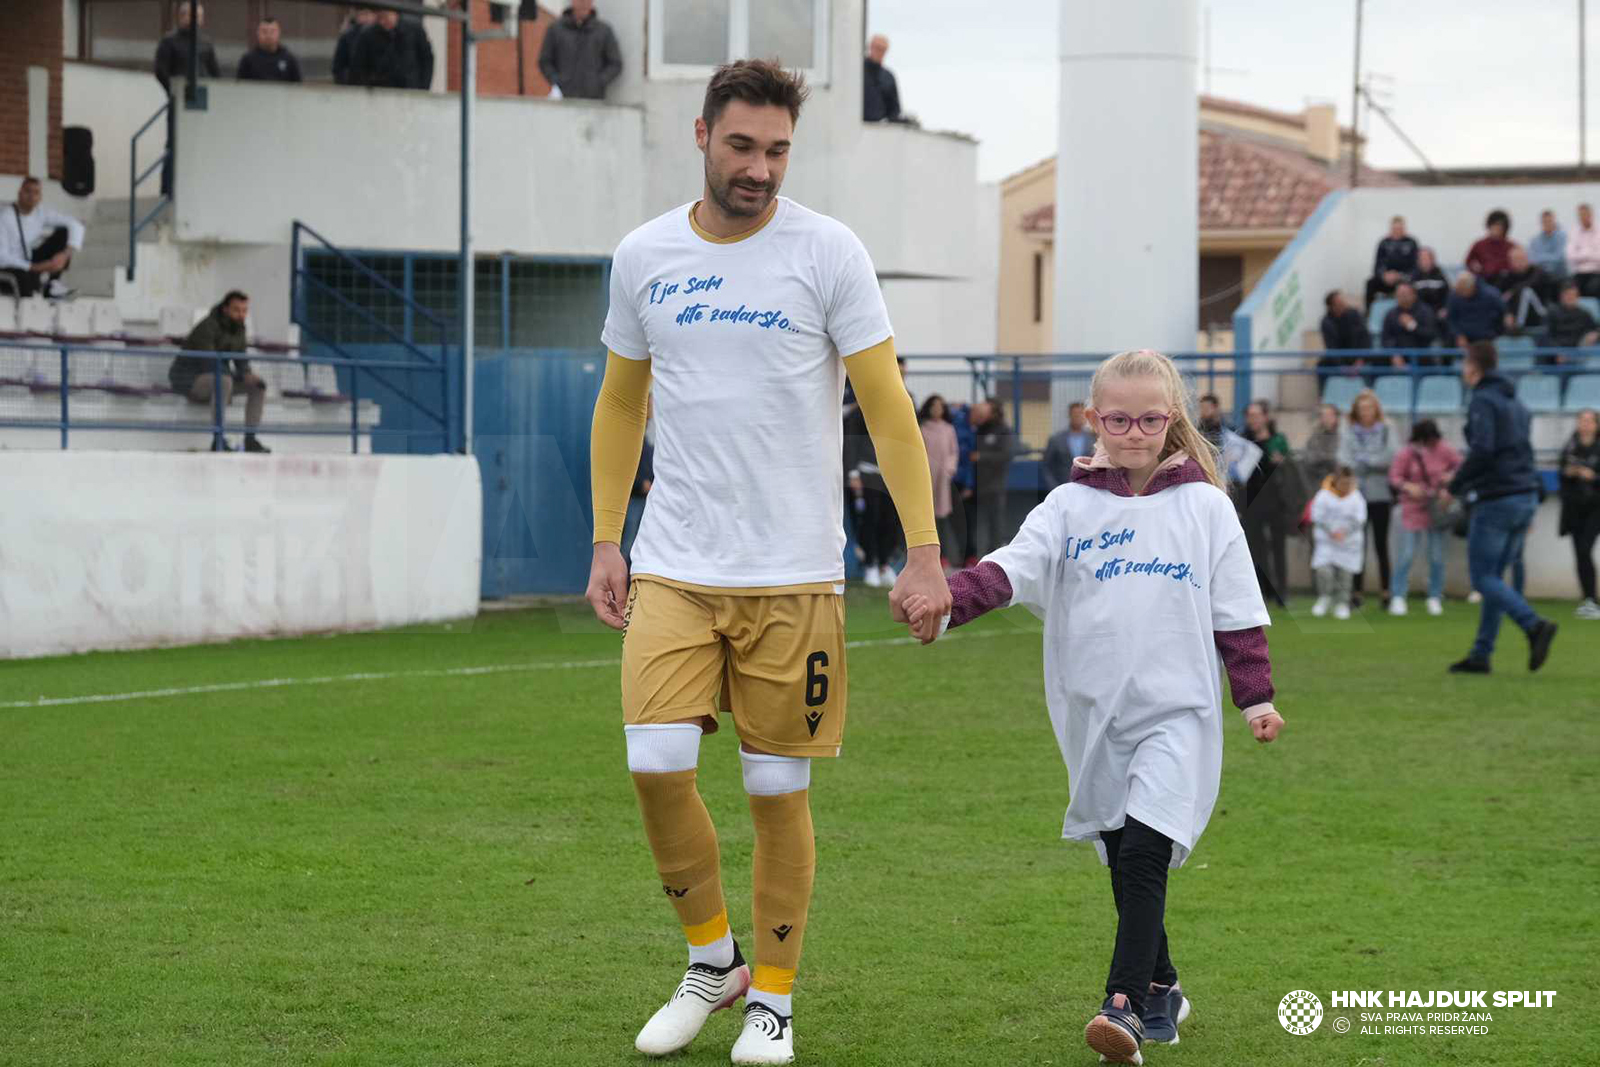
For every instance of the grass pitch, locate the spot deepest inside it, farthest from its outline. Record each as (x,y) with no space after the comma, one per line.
(416,867)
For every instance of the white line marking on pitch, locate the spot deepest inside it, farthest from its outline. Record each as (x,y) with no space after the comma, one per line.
(385,676)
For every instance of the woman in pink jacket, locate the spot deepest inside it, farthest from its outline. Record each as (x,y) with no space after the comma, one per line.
(1420,471)
(944,455)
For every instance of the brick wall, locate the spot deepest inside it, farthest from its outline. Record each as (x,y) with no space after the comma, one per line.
(31,37)
(497,60)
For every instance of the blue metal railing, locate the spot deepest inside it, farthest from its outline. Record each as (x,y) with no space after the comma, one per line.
(136,224)
(219,424)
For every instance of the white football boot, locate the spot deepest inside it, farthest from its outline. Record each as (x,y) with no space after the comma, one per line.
(704,989)
(767,1037)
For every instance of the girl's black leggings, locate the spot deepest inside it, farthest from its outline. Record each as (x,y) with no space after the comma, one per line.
(1138,857)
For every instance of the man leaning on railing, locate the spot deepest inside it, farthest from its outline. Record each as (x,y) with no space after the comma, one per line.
(198,378)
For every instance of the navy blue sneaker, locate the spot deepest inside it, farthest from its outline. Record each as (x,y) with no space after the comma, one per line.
(1116,1032)
(1164,1008)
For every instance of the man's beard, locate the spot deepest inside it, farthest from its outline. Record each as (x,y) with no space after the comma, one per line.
(722,193)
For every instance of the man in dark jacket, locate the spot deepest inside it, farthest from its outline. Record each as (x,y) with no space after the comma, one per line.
(1065,446)
(580,54)
(269,60)
(1475,310)
(1410,323)
(172,54)
(393,53)
(344,53)
(1570,325)
(198,379)
(1343,329)
(995,446)
(1396,261)
(881,96)
(1524,288)
(1499,481)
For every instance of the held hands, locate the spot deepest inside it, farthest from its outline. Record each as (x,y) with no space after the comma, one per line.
(922,582)
(608,584)
(1266,727)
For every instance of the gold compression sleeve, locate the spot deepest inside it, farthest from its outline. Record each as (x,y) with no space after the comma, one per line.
(892,422)
(615,441)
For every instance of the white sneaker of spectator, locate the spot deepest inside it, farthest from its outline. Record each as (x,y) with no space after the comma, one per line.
(1320,608)
(1474,597)
(1588,610)
(1435,606)
(1341,611)
(1397,605)
(56,291)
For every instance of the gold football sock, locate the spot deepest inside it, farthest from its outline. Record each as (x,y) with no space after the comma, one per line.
(685,846)
(785,862)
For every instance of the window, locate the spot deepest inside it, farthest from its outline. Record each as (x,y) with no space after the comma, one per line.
(125,33)
(1038,287)
(690,37)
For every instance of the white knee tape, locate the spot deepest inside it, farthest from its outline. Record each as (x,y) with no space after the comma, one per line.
(770,776)
(663,748)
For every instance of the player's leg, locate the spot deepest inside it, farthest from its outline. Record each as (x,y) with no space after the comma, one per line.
(787,687)
(1142,857)
(671,669)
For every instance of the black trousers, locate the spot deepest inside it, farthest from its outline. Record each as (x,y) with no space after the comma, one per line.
(1378,529)
(877,527)
(1584,536)
(30,282)
(1138,857)
(1266,531)
(965,517)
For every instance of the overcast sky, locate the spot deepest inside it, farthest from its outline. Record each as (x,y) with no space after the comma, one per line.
(1473,82)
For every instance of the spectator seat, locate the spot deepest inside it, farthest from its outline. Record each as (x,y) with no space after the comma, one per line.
(1394,393)
(1539,392)
(1439,394)
(1591,305)
(1341,391)
(1375,314)
(1583,391)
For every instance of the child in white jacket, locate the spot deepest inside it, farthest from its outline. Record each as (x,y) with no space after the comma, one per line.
(1338,538)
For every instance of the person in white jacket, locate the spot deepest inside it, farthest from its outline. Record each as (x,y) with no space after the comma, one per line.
(37,242)
(1338,530)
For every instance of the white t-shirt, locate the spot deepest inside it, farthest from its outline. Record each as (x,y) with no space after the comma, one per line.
(1330,512)
(1131,591)
(745,341)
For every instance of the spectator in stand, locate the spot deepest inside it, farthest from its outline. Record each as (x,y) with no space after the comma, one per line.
(1548,248)
(1583,253)
(344,52)
(1499,480)
(880,94)
(1338,516)
(1396,261)
(1432,287)
(1419,473)
(877,521)
(172,61)
(198,378)
(393,53)
(1475,310)
(1343,329)
(1570,325)
(1409,324)
(1367,447)
(1321,454)
(1265,518)
(580,56)
(1523,287)
(644,478)
(1065,446)
(37,242)
(1210,421)
(964,489)
(269,60)
(1580,503)
(1490,255)
(944,455)
(995,447)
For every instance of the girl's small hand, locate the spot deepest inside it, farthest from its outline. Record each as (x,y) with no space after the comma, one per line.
(1267,726)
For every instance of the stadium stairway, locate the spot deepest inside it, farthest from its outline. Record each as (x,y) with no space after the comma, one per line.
(105,246)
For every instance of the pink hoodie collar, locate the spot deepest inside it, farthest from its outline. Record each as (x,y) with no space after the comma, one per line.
(1097,472)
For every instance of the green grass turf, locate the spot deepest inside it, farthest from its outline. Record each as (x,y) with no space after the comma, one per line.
(450,869)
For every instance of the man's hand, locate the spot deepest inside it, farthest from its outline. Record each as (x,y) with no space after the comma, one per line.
(1407,321)
(1266,727)
(608,584)
(922,578)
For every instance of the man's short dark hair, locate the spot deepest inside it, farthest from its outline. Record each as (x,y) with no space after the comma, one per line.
(1211,398)
(1075,404)
(1498,216)
(30,180)
(1483,355)
(1569,284)
(755,81)
(268,20)
(1397,218)
(1327,301)
(234,294)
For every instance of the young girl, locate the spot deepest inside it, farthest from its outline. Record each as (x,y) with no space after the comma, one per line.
(1139,569)
(1338,525)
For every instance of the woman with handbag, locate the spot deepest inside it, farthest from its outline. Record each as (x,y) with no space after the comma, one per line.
(1368,447)
(1418,473)
(1580,502)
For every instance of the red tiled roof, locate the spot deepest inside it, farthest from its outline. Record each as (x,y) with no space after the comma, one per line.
(1247,185)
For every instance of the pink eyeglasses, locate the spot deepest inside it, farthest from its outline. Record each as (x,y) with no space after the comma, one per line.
(1118,423)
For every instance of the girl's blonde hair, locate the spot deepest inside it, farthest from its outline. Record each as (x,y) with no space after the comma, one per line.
(1181,430)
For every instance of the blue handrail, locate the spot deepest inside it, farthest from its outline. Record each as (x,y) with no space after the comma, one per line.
(136,225)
